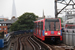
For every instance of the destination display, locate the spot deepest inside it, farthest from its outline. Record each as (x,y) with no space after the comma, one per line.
(52,20)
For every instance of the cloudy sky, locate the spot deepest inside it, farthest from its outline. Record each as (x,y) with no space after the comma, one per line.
(22,6)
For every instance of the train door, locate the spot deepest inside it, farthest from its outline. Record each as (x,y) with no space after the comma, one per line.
(37,28)
(41,28)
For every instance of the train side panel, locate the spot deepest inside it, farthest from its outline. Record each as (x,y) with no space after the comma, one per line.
(42,33)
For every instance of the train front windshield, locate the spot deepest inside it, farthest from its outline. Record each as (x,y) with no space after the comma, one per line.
(52,25)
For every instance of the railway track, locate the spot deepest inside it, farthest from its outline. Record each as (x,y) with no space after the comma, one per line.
(14,43)
(27,42)
(35,44)
(23,43)
(30,42)
(57,46)
(43,45)
(61,47)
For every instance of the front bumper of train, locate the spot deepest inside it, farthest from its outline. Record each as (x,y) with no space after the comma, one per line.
(50,34)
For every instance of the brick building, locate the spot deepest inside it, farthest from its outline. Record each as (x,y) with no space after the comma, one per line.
(5,25)
(3,19)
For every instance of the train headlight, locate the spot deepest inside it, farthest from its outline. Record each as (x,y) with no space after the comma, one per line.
(46,33)
(59,33)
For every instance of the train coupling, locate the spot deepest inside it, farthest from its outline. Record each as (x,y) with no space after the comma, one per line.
(53,38)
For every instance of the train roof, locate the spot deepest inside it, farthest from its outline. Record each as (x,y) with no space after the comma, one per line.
(45,18)
(39,20)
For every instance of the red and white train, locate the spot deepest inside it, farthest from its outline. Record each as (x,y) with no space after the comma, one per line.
(70,25)
(48,28)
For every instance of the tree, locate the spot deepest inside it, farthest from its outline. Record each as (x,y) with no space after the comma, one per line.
(24,22)
(61,19)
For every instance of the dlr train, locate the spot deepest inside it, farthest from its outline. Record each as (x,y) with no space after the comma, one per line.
(48,28)
(70,25)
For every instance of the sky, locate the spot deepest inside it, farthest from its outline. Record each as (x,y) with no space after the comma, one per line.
(23,6)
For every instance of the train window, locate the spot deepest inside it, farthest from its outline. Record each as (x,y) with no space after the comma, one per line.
(41,25)
(47,26)
(51,25)
(57,26)
(73,27)
(38,25)
(69,27)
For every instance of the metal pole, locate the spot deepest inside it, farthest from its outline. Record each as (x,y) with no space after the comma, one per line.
(55,8)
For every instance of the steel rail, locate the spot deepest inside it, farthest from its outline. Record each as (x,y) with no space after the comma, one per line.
(36,43)
(45,44)
(20,43)
(31,44)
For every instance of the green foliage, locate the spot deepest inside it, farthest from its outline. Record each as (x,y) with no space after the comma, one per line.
(61,19)
(24,22)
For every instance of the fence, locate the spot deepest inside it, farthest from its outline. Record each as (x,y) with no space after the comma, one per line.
(21,32)
(4,42)
(69,38)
